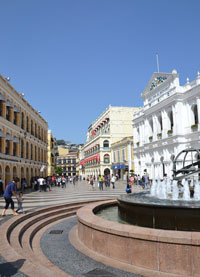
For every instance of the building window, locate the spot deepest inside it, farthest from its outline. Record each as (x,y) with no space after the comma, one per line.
(27,124)
(106,159)
(123,155)
(7,113)
(26,150)
(15,118)
(1,145)
(22,148)
(1,108)
(114,157)
(7,146)
(31,127)
(31,152)
(14,149)
(22,121)
(118,155)
(195,114)
(69,161)
(171,120)
(160,122)
(35,153)
(106,144)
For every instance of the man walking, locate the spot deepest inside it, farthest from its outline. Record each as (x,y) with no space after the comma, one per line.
(11,190)
(113,181)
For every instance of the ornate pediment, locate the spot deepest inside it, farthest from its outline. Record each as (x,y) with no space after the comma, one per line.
(157,81)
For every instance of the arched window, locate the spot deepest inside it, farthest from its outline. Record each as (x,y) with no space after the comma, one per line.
(31,152)
(27,124)
(22,120)
(171,120)
(39,133)
(35,130)
(26,150)
(106,144)
(160,121)
(106,158)
(32,133)
(35,153)
(22,148)
(151,126)
(195,114)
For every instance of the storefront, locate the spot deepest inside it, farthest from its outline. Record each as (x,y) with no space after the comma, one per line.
(118,169)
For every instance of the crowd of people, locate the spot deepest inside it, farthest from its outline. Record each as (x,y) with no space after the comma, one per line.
(101,181)
(46,184)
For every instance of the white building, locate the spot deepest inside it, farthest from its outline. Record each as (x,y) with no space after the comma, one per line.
(167,124)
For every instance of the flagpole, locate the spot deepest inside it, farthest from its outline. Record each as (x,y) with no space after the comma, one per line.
(157,63)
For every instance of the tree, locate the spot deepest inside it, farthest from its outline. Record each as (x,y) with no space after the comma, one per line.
(59,170)
(60,142)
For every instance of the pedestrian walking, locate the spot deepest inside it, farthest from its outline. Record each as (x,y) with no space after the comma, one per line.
(100,182)
(10,191)
(113,178)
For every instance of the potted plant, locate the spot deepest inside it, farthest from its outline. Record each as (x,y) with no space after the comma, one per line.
(150,138)
(194,126)
(159,135)
(138,143)
(169,132)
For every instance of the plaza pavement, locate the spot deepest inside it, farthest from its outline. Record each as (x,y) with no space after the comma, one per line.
(81,191)
(71,261)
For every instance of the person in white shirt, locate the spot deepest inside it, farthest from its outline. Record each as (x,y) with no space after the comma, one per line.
(40,183)
(113,178)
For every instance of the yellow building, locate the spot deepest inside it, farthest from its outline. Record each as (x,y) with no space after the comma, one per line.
(51,154)
(122,157)
(114,124)
(68,160)
(23,137)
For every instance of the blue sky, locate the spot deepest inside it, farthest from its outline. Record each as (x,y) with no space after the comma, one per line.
(72,58)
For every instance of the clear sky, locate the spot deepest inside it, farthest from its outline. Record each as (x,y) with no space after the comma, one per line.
(72,58)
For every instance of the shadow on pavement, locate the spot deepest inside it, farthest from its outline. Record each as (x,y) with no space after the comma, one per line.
(10,269)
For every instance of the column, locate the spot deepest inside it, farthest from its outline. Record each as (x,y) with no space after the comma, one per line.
(165,123)
(155,127)
(3,145)
(11,114)
(146,131)
(4,109)
(198,109)
(11,147)
(129,156)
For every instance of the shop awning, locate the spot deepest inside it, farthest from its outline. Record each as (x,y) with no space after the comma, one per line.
(118,166)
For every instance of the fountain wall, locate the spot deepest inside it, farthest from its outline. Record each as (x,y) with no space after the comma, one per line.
(146,251)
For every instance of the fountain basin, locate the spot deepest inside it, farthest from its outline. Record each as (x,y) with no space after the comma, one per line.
(146,251)
(143,210)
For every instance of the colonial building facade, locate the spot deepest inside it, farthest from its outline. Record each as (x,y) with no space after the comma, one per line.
(68,160)
(122,157)
(51,154)
(23,136)
(113,124)
(167,124)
